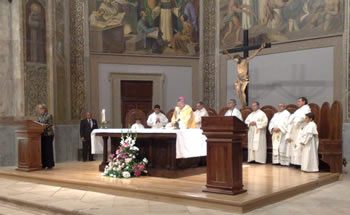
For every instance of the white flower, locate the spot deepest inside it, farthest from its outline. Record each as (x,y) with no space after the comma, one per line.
(134,148)
(145,160)
(118,169)
(134,156)
(126,174)
(127,161)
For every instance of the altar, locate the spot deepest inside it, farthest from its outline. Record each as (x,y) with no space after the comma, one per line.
(171,153)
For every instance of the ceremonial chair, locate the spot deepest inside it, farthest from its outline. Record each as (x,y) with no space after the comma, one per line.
(315,109)
(149,113)
(211,111)
(169,115)
(323,128)
(245,112)
(331,140)
(269,111)
(291,108)
(223,111)
(131,116)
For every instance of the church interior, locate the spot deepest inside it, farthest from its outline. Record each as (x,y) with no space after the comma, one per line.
(174,107)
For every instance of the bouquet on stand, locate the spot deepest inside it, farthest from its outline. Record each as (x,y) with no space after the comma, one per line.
(124,163)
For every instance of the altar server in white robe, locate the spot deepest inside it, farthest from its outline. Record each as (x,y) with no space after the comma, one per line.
(137,125)
(157,119)
(295,123)
(278,129)
(233,111)
(199,113)
(309,142)
(257,122)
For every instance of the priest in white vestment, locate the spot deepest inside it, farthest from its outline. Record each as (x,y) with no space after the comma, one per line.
(199,113)
(157,119)
(110,10)
(278,129)
(309,142)
(233,111)
(257,122)
(295,124)
(183,115)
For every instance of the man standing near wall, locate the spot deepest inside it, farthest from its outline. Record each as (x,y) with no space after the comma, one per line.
(87,125)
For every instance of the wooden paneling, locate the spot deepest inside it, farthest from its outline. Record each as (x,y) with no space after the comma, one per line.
(136,95)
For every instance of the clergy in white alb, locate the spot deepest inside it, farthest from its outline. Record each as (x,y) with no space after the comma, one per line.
(278,130)
(199,113)
(233,111)
(157,119)
(295,123)
(309,142)
(257,122)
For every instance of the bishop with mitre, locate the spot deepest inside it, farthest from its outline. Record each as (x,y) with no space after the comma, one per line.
(183,115)
(257,122)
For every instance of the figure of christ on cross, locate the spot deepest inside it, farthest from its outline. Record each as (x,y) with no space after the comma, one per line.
(243,67)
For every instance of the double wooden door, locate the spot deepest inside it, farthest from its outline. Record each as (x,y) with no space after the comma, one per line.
(136,94)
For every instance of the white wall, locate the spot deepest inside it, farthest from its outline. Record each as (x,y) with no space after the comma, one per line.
(177,82)
(283,77)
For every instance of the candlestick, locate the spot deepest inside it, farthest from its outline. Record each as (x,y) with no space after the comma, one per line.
(103,115)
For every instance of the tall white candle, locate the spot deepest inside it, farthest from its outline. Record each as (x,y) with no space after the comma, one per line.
(103,115)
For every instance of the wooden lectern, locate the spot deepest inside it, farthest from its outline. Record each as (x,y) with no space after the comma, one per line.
(224,154)
(29,145)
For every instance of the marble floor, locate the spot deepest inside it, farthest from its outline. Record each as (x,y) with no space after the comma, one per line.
(265,184)
(329,199)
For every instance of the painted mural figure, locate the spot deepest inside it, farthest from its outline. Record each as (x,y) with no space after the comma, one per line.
(130,8)
(291,13)
(165,11)
(143,29)
(190,12)
(233,20)
(97,20)
(36,34)
(182,42)
(110,10)
(326,13)
(242,76)
(272,16)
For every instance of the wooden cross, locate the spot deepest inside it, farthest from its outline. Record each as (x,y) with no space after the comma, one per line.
(245,49)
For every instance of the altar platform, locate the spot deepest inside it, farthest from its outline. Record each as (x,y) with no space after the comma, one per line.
(266,184)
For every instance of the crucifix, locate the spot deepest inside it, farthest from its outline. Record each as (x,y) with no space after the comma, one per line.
(243,67)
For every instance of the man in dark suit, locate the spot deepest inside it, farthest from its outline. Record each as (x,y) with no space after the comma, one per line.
(87,125)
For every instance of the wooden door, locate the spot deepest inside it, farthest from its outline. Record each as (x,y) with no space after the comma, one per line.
(136,94)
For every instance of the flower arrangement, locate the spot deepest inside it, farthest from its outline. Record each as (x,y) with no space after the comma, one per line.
(124,163)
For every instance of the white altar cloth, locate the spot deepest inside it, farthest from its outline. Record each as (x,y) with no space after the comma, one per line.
(189,142)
